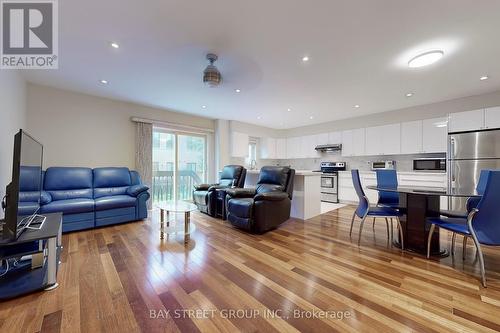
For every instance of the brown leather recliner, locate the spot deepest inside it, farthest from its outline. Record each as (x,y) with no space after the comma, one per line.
(265,207)
(204,195)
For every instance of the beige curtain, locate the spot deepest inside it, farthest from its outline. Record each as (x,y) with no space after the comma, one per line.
(144,154)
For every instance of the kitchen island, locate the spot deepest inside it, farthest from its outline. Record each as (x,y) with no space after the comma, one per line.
(306,201)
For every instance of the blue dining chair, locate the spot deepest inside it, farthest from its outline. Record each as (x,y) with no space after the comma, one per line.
(387,179)
(481,224)
(472,203)
(364,210)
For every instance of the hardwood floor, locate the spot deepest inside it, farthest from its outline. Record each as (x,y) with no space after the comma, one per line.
(123,279)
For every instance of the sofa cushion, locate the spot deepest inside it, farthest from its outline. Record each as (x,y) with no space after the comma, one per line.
(115,201)
(30,178)
(69,206)
(241,207)
(111,181)
(27,208)
(64,183)
(200,197)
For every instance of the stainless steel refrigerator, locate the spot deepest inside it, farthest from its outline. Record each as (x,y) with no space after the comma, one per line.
(468,154)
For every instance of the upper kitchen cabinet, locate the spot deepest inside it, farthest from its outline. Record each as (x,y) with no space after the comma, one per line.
(383,140)
(492,118)
(411,137)
(267,148)
(373,144)
(434,135)
(353,142)
(334,138)
(466,121)
(323,139)
(391,139)
(293,147)
(281,148)
(239,144)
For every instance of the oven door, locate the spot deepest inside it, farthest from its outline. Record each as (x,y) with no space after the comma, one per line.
(328,182)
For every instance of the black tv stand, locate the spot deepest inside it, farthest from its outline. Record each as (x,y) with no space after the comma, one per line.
(27,276)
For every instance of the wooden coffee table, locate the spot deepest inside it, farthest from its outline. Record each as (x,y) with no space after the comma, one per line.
(176,207)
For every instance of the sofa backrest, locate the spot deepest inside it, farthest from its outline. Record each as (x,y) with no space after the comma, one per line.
(111,181)
(274,178)
(232,175)
(68,183)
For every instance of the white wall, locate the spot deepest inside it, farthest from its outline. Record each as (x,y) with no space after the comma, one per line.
(12,118)
(83,130)
(434,110)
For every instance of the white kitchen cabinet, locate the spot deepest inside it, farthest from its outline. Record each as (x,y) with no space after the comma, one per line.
(293,147)
(281,148)
(466,121)
(358,142)
(353,142)
(267,148)
(383,140)
(373,144)
(239,144)
(391,139)
(411,137)
(435,135)
(347,143)
(492,118)
(334,138)
(305,146)
(322,139)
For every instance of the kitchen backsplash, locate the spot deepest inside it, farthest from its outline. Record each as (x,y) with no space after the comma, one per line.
(403,162)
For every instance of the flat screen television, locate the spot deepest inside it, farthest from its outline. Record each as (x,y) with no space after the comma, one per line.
(22,199)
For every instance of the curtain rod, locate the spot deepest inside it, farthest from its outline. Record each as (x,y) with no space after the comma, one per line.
(166,123)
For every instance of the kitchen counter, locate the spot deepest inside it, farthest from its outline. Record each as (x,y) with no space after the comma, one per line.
(306,201)
(297,172)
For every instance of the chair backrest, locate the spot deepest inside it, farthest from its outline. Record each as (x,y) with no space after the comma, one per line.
(111,181)
(387,179)
(472,202)
(68,183)
(233,175)
(274,178)
(363,204)
(486,221)
(483,180)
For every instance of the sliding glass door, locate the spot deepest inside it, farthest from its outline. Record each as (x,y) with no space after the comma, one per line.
(179,163)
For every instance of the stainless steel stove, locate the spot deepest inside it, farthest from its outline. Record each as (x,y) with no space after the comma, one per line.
(330,180)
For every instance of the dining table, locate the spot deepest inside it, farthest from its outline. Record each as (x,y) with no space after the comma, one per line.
(417,204)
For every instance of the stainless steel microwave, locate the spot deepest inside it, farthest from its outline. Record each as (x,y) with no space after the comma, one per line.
(429,164)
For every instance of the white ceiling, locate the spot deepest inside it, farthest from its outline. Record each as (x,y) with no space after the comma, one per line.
(358,53)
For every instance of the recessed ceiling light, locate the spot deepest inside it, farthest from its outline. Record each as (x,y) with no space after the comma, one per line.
(203,106)
(356,106)
(114,45)
(305,58)
(409,94)
(104,81)
(425,59)
(311,117)
(259,117)
(237,90)
(485,77)
(289,109)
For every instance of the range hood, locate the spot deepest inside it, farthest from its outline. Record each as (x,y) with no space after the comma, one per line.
(329,147)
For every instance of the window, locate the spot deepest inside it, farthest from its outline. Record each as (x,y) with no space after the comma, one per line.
(179,162)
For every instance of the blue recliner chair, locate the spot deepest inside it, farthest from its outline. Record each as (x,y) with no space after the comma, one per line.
(70,190)
(117,198)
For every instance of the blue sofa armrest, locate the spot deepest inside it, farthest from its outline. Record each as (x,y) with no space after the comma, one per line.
(135,190)
(45,198)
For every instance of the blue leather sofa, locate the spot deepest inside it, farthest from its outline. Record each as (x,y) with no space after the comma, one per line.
(89,198)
